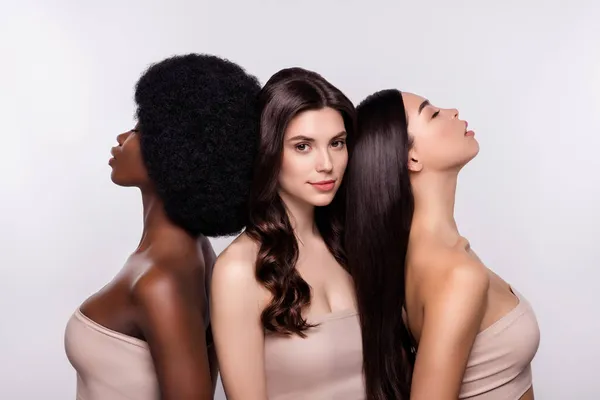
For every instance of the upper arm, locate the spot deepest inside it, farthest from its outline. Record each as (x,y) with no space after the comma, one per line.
(453,311)
(171,318)
(237,330)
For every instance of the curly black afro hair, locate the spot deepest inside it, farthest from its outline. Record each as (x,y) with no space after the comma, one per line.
(198,124)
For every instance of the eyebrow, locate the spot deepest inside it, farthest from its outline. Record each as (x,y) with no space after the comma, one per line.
(311,140)
(423,105)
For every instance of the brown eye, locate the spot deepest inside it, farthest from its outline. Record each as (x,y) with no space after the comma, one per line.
(302,147)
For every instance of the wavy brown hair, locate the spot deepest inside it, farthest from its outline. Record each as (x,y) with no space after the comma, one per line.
(288,93)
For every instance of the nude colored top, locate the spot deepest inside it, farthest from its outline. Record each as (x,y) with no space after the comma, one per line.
(109,364)
(499,366)
(326,365)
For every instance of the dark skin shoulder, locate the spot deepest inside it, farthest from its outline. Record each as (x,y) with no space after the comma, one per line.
(160,296)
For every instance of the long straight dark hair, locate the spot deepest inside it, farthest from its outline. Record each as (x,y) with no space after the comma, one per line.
(288,93)
(380,207)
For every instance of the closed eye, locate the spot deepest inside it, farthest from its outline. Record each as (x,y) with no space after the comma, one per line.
(435,114)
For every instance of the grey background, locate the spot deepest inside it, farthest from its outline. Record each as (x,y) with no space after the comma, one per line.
(525,74)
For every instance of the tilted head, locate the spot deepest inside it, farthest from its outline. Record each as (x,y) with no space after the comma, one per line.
(302,158)
(195,141)
(399,137)
(304,125)
(440,140)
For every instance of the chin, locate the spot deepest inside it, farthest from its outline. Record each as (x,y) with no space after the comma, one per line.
(113,178)
(464,160)
(472,152)
(475,150)
(308,197)
(119,181)
(322,200)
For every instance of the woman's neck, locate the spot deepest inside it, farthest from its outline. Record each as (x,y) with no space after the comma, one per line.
(154,216)
(435,195)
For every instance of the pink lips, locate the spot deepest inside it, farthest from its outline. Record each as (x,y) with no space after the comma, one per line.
(468,133)
(324,186)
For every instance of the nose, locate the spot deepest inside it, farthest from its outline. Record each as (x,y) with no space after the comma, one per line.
(324,163)
(122,137)
(454,113)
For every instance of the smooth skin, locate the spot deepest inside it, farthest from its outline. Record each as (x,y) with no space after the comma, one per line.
(160,294)
(314,151)
(451,295)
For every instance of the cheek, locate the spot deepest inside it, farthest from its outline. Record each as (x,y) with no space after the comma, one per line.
(436,141)
(440,133)
(133,163)
(134,155)
(293,168)
(296,170)
(341,161)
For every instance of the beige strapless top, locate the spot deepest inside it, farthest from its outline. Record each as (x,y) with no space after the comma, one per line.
(109,364)
(499,366)
(326,365)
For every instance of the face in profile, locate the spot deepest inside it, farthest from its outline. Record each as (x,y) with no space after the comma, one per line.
(128,168)
(314,157)
(441,141)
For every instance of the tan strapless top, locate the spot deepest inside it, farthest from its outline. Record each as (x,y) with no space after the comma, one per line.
(109,364)
(326,365)
(499,366)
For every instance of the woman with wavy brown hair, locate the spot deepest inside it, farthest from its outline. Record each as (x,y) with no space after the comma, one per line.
(283,304)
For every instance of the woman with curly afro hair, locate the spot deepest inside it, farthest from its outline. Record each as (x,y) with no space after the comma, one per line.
(146,335)
(283,311)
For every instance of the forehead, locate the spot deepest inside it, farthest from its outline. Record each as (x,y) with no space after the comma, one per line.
(316,123)
(411,103)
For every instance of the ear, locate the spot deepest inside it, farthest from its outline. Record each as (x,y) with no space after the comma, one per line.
(414,165)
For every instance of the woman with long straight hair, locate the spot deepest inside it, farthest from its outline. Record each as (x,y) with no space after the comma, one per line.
(425,299)
(283,305)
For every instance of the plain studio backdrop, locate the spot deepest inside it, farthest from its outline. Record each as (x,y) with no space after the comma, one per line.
(525,74)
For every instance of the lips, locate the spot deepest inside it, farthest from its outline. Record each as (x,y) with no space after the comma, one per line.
(324,186)
(468,132)
(112,158)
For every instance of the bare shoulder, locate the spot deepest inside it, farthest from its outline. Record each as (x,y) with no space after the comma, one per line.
(453,295)
(159,281)
(178,250)
(235,292)
(236,306)
(235,266)
(243,248)
(465,275)
(443,270)
(173,266)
